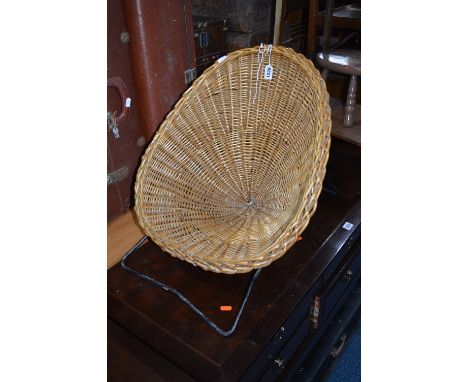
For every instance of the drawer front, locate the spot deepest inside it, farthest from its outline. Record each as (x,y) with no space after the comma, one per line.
(280,362)
(332,291)
(125,138)
(283,337)
(301,316)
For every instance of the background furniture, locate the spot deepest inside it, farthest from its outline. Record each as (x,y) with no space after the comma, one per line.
(249,22)
(292,26)
(125,137)
(210,40)
(340,60)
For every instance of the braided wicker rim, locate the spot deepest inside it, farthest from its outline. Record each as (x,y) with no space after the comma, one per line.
(232,176)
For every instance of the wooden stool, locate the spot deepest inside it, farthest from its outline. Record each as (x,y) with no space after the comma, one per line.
(346,62)
(338,60)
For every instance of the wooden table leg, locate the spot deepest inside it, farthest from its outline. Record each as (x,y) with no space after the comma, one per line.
(350,102)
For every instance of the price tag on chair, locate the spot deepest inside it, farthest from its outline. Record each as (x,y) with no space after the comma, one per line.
(268,74)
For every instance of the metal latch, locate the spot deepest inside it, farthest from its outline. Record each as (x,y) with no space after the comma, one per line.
(190,75)
(117,175)
(112,123)
(279,364)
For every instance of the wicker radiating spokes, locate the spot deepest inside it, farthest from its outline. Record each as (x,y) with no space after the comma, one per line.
(232,176)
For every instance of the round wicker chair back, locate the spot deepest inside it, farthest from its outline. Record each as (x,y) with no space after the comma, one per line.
(232,176)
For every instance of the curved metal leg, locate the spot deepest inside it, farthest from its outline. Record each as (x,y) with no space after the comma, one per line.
(185,300)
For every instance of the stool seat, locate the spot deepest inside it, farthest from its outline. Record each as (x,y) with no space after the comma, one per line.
(341,60)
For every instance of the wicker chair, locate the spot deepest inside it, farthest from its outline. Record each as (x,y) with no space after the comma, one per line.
(232,176)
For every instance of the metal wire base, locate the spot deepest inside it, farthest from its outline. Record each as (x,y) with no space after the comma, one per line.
(184,299)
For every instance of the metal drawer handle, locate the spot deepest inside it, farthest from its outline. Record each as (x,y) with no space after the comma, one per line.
(336,351)
(117,176)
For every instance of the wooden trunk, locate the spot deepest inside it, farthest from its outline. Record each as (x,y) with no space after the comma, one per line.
(151,61)
(162,54)
(124,145)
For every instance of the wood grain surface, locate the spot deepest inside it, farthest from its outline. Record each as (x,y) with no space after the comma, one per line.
(122,233)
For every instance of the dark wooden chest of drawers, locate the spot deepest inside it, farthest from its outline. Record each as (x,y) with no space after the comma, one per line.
(290,306)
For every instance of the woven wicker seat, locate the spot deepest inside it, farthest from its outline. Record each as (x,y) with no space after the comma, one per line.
(232,176)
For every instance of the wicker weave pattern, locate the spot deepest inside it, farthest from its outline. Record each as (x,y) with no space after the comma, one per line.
(232,176)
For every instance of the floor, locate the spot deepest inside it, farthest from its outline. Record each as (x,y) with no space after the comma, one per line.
(347,366)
